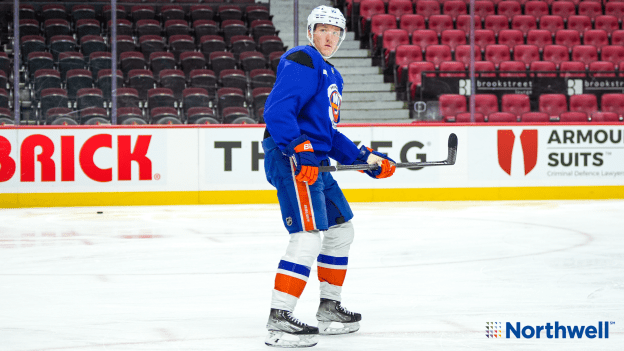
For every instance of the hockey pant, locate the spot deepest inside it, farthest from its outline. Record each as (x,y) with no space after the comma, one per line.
(306,211)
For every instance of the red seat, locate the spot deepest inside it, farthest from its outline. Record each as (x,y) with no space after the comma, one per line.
(414,75)
(510,37)
(453,38)
(602,66)
(539,38)
(502,117)
(516,104)
(616,9)
(452,104)
(553,104)
(424,38)
(613,103)
(607,23)
(496,23)
(485,66)
(572,66)
(497,53)
(543,66)
(427,8)
(140,12)
(486,104)
(523,23)
(484,37)
(509,8)
(379,24)
(587,103)
(369,8)
(398,8)
(526,54)
(536,9)
(462,54)
(612,53)
(438,54)
(484,8)
(551,23)
(455,66)
(440,23)
(579,23)
(463,23)
(405,54)
(412,22)
(556,54)
(573,117)
(584,53)
(596,37)
(391,39)
(465,117)
(602,117)
(592,9)
(567,37)
(516,66)
(534,117)
(454,8)
(563,8)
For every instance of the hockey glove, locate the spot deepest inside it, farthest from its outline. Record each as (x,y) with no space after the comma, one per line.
(386,164)
(301,152)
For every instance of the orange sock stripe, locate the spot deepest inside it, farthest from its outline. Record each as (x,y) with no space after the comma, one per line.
(289,285)
(332,276)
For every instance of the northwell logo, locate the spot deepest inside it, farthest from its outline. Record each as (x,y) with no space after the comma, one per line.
(556,331)
(506,141)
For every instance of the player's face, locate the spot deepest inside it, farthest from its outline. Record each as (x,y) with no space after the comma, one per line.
(326,38)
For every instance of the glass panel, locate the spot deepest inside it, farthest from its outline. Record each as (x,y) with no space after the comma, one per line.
(63,49)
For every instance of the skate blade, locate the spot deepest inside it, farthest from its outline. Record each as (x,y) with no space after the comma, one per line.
(326,328)
(277,338)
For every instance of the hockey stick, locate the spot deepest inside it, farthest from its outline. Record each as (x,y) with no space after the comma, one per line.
(450,160)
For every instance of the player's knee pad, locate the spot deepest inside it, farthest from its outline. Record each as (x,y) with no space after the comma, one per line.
(304,247)
(338,238)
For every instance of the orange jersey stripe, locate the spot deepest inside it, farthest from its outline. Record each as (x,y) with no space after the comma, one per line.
(290,285)
(305,205)
(332,276)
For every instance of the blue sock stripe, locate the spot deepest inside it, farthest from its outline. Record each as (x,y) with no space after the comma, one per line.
(338,261)
(293,267)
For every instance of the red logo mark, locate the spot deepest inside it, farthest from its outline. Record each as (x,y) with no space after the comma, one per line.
(506,141)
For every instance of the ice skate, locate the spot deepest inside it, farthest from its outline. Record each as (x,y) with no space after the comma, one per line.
(335,319)
(287,331)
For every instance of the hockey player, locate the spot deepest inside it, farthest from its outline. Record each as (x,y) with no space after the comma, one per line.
(302,113)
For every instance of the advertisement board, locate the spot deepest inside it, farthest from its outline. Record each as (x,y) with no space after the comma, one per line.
(184,165)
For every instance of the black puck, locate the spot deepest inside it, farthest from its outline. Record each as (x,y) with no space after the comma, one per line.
(100,212)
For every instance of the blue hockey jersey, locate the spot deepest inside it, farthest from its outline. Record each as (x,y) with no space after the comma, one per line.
(306,100)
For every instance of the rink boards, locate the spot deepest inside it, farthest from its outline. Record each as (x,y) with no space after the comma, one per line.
(93,166)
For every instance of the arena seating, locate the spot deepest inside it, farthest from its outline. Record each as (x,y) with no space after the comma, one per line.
(514,39)
(169,59)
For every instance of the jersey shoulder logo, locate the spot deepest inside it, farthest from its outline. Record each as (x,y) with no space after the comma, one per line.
(335,99)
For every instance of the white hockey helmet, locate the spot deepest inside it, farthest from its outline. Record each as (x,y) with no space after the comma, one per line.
(326,15)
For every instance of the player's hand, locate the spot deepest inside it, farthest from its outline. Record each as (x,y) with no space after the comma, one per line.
(386,164)
(301,152)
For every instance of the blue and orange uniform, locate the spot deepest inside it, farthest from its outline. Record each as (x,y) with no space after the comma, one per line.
(305,101)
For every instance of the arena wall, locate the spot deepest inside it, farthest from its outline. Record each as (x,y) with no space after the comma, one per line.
(151,165)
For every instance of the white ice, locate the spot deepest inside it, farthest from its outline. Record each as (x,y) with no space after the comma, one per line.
(425,276)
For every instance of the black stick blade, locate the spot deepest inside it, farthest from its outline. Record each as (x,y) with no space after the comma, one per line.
(452,149)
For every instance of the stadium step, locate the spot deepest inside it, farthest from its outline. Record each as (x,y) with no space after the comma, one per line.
(370,96)
(342,52)
(370,105)
(362,78)
(359,70)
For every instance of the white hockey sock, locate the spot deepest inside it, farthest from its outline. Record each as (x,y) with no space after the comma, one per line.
(333,259)
(294,269)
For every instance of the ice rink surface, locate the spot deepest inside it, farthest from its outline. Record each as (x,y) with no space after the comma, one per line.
(425,276)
